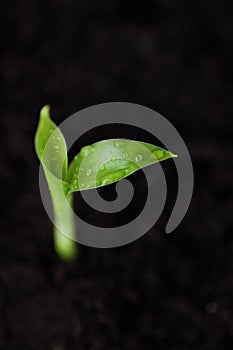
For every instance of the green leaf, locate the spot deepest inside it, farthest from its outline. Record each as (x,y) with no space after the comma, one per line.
(52,152)
(97,165)
(50,146)
(108,161)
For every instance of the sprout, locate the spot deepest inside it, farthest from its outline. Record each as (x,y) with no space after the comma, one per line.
(97,165)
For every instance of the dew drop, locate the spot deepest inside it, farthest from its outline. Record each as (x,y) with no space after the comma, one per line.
(89,172)
(117,144)
(158,154)
(113,159)
(138,157)
(113,177)
(85,151)
(101,167)
(125,155)
(56,147)
(105,182)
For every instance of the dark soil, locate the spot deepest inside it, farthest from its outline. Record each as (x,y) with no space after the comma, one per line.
(170,292)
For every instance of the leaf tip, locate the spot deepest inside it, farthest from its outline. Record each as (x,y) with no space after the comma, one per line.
(174,155)
(45,111)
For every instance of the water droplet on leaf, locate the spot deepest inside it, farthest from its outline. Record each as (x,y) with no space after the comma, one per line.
(138,157)
(117,144)
(85,151)
(158,154)
(105,182)
(101,167)
(89,172)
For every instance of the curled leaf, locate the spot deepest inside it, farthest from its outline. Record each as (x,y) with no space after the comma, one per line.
(50,146)
(108,161)
(51,150)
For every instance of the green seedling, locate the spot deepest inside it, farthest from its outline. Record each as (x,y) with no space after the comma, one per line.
(97,165)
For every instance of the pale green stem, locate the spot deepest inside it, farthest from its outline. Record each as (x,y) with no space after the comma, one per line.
(64,219)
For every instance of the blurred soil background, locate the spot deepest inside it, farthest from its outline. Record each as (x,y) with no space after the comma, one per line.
(170,292)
